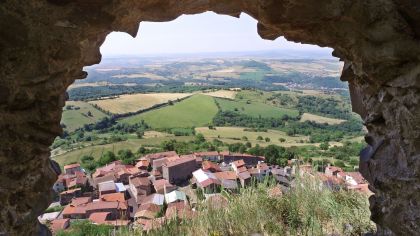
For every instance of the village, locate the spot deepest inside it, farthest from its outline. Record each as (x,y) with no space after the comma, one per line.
(166,186)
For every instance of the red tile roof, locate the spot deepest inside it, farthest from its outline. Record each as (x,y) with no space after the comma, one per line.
(208,165)
(80,201)
(59,224)
(99,217)
(142,163)
(102,205)
(159,155)
(149,207)
(113,197)
(179,161)
(140,181)
(70,166)
(230,175)
(70,210)
(238,163)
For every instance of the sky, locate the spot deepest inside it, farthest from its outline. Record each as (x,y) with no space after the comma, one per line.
(202,33)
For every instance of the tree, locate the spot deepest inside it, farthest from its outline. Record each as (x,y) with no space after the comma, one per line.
(282,140)
(248,144)
(267,139)
(259,138)
(339,163)
(199,138)
(244,138)
(141,150)
(324,146)
(126,156)
(89,114)
(106,158)
(168,145)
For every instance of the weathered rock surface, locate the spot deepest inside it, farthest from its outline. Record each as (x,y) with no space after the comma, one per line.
(45,44)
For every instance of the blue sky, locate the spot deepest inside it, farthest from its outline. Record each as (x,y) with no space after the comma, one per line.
(206,32)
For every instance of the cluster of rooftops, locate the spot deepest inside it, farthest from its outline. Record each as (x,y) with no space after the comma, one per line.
(162,186)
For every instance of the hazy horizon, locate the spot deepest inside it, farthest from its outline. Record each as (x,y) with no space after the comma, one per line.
(206,33)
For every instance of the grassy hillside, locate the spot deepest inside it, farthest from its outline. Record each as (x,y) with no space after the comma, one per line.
(255,109)
(78,116)
(235,134)
(97,150)
(197,110)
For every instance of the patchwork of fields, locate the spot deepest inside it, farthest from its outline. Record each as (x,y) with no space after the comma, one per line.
(255,109)
(320,119)
(222,94)
(197,110)
(236,134)
(135,102)
(77,113)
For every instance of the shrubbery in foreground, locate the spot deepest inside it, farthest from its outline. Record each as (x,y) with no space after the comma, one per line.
(307,209)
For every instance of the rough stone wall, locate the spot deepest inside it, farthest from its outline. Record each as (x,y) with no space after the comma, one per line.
(45,44)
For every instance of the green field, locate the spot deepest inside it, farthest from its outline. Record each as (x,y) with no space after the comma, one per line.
(74,119)
(257,75)
(97,150)
(256,109)
(197,110)
(235,134)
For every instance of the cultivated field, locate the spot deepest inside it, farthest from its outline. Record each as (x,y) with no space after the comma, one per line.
(142,75)
(222,94)
(135,102)
(235,134)
(78,116)
(256,109)
(197,110)
(320,119)
(97,150)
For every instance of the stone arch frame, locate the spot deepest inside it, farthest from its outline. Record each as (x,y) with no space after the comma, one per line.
(45,44)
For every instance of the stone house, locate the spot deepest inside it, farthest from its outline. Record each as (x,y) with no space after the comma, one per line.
(118,210)
(106,188)
(140,186)
(72,168)
(180,170)
(67,196)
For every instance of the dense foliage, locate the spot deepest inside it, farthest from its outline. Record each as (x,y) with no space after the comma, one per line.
(323,106)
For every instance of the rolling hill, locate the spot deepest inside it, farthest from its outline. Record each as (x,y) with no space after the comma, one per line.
(197,110)
(255,109)
(76,114)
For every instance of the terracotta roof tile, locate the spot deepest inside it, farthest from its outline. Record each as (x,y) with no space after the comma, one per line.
(71,166)
(99,217)
(59,224)
(226,175)
(113,197)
